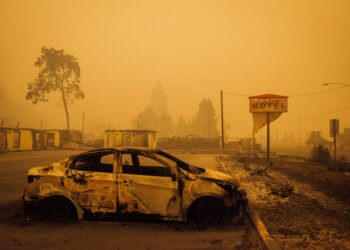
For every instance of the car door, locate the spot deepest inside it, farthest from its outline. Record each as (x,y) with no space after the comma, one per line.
(92,182)
(147,186)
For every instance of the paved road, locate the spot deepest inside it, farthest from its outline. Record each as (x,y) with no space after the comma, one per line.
(14,167)
(16,234)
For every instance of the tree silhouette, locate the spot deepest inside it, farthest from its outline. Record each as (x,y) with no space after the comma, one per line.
(57,72)
(181,127)
(166,125)
(147,119)
(158,99)
(205,122)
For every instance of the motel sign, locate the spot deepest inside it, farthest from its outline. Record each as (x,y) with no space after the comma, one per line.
(268,103)
(265,109)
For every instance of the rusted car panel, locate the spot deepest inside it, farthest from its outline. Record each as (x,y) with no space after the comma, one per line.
(134,180)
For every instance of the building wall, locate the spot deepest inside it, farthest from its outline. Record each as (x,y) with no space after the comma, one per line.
(56,138)
(26,140)
(2,140)
(18,139)
(130,138)
(152,140)
(12,139)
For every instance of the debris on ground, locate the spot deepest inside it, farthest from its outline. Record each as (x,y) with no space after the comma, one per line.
(303,205)
(283,189)
(262,170)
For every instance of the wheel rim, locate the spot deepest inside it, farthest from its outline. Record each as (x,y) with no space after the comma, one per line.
(208,213)
(60,209)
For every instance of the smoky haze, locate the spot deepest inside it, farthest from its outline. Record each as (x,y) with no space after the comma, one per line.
(193,49)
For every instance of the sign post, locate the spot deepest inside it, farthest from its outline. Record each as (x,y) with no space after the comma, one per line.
(268,135)
(334,132)
(266,109)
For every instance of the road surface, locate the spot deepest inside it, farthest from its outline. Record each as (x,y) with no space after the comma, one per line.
(22,234)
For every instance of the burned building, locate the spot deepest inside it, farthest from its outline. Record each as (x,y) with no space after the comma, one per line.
(344,138)
(315,139)
(18,139)
(189,142)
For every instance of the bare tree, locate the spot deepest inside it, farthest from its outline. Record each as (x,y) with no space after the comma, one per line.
(57,72)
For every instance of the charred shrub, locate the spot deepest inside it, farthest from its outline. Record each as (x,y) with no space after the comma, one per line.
(321,155)
(283,189)
(342,165)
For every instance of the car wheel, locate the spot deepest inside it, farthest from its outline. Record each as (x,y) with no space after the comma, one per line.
(208,211)
(60,208)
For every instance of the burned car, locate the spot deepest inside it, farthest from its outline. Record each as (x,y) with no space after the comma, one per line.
(133,181)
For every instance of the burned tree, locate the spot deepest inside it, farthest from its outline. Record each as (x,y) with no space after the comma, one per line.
(57,72)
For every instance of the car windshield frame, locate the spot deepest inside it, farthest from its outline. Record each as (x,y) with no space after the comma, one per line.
(181,164)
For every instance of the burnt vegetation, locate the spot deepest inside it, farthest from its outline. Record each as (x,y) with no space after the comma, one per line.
(321,155)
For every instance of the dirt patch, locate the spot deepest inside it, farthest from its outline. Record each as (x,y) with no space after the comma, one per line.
(307,216)
(333,184)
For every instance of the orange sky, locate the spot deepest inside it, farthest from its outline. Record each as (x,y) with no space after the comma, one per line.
(194,48)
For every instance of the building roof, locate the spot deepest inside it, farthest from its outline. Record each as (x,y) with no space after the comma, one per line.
(38,129)
(101,150)
(265,96)
(131,130)
(317,141)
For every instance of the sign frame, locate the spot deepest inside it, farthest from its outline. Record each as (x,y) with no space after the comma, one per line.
(268,103)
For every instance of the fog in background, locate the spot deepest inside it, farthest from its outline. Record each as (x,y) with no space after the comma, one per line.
(193,49)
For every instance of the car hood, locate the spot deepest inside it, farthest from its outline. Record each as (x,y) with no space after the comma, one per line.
(48,169)
(217,177)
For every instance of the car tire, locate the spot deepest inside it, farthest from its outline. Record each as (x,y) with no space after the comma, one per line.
(208,211)
(60,208)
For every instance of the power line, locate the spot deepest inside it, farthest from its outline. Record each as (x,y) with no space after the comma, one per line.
(320,115)
(227,93)
(317,93)
(328,113)
(296,95)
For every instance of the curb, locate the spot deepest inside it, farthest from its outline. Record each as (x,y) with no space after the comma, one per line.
(253,215)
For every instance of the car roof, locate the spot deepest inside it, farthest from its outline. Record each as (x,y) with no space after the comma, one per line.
(119,149)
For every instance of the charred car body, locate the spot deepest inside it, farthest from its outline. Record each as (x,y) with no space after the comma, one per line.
(127,181)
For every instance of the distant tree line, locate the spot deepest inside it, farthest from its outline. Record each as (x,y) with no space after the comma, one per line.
(156,117)
(204,123)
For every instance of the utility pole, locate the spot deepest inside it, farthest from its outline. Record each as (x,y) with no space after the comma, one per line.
(335,147)
(83,125)
(334,132)
(222,121)
(300,139)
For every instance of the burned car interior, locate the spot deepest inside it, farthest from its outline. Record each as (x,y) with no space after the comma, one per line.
(136,163)
(102,162)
